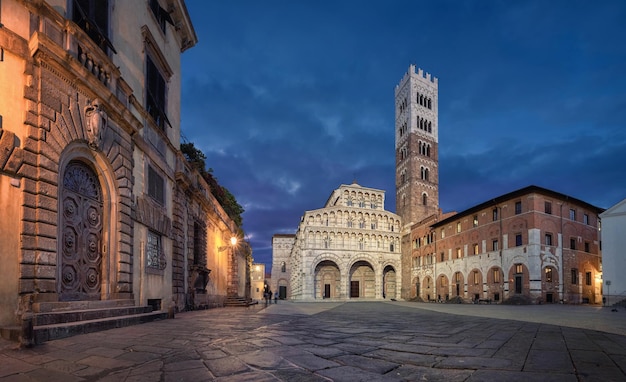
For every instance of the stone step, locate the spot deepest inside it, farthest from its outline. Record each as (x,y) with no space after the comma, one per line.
(44,307)
(237,301)
(60,317)
(43,333)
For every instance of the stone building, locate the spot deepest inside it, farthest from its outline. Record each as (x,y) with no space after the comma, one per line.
(348,249)
(613,249)
(101,209)
(281,268)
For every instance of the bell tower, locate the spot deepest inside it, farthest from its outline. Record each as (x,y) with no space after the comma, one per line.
(417,153)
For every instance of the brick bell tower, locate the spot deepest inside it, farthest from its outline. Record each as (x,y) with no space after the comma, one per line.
(417,154)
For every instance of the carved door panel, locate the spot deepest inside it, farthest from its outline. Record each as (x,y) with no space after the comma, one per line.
(81,222)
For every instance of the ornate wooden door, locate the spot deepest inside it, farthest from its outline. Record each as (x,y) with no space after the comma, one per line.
(81,222)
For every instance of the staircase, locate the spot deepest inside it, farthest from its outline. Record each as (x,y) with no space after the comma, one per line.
(238,301)
(54,320)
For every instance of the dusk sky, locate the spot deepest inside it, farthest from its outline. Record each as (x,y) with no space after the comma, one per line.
(290,99)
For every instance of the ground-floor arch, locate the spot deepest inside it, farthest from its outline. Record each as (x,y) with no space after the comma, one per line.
(443,288)
(389,282)
(362,282)
(327,280)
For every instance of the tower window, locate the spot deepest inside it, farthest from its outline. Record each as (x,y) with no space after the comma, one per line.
(424,199)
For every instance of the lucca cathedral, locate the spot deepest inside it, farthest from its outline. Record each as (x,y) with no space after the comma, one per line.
(531,245)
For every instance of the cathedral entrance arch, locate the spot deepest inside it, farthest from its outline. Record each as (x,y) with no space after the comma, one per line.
(81,225)
(362,280)
(389,282)
(327,280)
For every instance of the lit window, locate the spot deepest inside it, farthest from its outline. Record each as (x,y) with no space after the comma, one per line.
(475,249)
(458,227)
(548,274)
(496,275)
(519,268)
(476,278)
(475,221)
(458,253)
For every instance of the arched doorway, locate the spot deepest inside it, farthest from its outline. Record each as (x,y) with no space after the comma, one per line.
(362,280)
(80,218)
(327,280)
(389,282)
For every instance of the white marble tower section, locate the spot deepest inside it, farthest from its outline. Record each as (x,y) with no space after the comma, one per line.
(417,159)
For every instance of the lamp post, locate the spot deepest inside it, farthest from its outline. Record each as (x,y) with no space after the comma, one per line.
(232,289)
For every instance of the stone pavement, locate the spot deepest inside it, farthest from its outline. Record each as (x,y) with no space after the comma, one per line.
(353,341)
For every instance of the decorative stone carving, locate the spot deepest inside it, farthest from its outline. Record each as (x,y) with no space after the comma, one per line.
(96,123)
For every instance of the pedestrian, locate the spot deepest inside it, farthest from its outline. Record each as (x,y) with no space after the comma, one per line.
(276,298)
(269,296)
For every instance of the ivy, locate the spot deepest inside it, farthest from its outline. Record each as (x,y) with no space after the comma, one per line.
(225,198)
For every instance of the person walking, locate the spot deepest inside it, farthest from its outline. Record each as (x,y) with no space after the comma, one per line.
(276,298)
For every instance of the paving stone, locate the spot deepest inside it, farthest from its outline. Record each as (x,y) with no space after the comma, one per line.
(353,341)
(353,374)
(549,361)
(226,366)
(369,364)
(64,366)
(182,365)
(264,359)
(420,373)
(189,375)
(311,362)
(517,376)
(14,366)
(475,363)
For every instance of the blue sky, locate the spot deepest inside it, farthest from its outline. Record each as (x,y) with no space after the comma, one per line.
(290,99)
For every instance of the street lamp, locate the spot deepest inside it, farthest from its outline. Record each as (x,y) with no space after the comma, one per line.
(232,289)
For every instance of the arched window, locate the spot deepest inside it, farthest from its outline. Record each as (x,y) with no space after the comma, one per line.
(425,174)
(430,127)
(424,199)
(428,150)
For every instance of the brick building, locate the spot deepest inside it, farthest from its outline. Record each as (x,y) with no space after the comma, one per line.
(533,243)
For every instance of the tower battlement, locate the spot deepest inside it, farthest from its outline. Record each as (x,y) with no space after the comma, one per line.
(420,74)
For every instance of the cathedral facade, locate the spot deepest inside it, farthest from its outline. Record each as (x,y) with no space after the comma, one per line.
(348,249)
